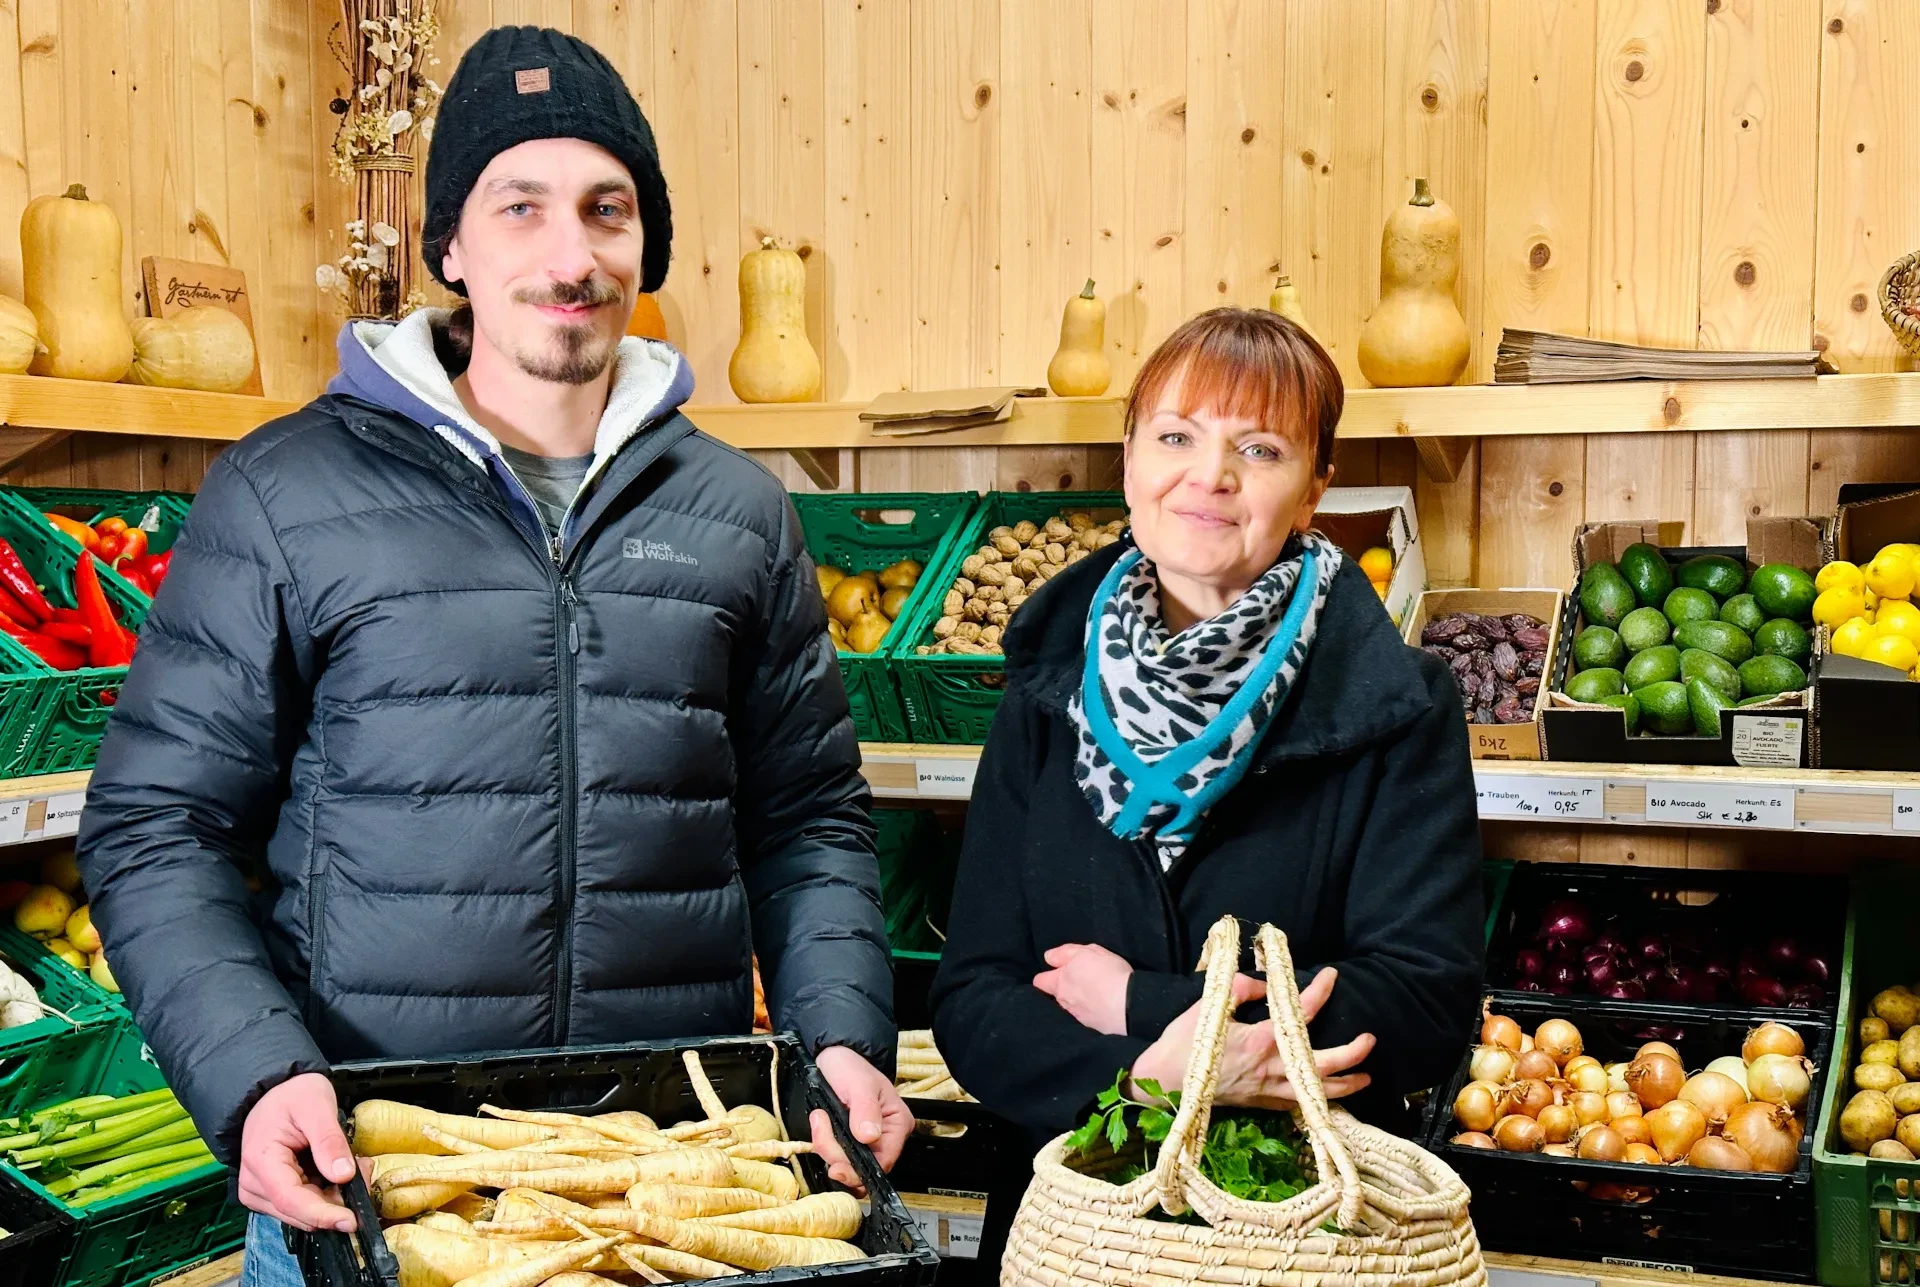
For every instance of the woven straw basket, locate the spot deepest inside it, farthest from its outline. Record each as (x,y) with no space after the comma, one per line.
(1899,291)
(1403,1211)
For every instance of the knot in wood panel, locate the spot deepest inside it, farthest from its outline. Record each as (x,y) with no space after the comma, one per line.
(1670,410)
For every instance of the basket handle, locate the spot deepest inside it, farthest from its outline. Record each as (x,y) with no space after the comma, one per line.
(1220,958)
(1331,1155)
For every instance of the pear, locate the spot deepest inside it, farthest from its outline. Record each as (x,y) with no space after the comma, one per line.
(893,601)
(903,575)
(43,912)
(851,598)
(867,631)
(828,577)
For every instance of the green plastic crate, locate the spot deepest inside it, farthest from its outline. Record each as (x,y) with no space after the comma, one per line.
(84,1003)
(159,513)
(51,721)
(153,1232)
(917,862)
(950,699)
(870,530)
(1854,1195)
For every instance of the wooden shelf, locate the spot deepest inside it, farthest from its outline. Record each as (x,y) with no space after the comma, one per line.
(1811,800)
(89,406)
(1505,1270)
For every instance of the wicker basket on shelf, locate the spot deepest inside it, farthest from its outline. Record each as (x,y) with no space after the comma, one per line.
(1401,1212)
(1900,301)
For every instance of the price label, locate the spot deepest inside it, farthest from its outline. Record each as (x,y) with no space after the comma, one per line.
(1544,798)
(1704,804)
(946,779)
(13,822)
(1768,741)
(63,814)
(1906,810)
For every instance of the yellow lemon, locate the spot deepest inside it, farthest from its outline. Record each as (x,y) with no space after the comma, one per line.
(1890,575)
(1892,650)
(1905,549)
(1873,603)
(1852,637)
(1898,617)
(1838,605)
(1377,564)
(1841,573)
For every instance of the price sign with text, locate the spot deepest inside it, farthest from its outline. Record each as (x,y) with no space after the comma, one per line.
(13,822)
(1542,798)
(63,814)
(1702,804)
(1906,810)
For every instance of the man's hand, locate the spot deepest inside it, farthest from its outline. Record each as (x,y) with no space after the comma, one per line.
(1252,1073)
(1090,983)
(879,1117)
(300,1113)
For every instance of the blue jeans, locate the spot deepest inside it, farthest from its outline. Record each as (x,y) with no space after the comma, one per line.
(268,1263)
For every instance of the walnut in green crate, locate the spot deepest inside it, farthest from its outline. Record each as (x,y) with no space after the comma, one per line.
(997,578)
(862,606)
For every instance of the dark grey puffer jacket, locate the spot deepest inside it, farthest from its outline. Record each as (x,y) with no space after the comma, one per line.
(502,799)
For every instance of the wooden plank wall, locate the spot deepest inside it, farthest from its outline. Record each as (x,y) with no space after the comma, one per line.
(1727,173)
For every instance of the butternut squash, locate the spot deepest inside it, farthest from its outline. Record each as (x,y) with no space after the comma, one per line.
(1080,367)
(1285,300)
(202,348)
(1416,336)
(774,362)
(70,261)
(19,336)
(647,321)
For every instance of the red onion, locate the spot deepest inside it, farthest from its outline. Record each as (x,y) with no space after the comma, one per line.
(1760,990)
(1651,948)
(1816,968)
(1600,973)
(1624,990)
(1783,953)
(1528,985)
(1566,921)
(1529,963)
(1562,977)
(1650,976)
(1806,996)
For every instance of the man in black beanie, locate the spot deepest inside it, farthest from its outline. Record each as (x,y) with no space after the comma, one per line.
(515,688)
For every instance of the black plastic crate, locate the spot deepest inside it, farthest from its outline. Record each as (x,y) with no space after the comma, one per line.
(1741,1224)
(1721,911)
(647,1077)
(990,1161)
(38,1238)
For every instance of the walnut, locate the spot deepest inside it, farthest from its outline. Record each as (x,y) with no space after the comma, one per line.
(1103,540)
(1056,552)
(971,568)
(1027,566)
(1086,540)
(1015,600)
(944,627)
(998,532)
(1075,555)
(923,651)
(1058,531)
(1023,531)
(1117,526)
(966,647)
(999,618)
(988,555)
(953,603)
(1007,546)
(993,574)
(965,587)
(1048,571)
(1079,522)
(967,631)
(991,635)
(1014,585)
(976,609)
(991,594)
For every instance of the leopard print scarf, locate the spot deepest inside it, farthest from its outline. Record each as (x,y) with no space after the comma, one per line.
(1168,725)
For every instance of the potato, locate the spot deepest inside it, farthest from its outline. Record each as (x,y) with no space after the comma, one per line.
(1908,1132)
(1881,1052)
(1023,531)
(1867,1119)
(1899,1007)
(1905,1097)
(1890,1151)
(1880,1077)
(1872,1028)
(1909,1059)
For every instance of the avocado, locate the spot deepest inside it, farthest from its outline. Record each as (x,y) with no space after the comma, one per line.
(1645,568)
(1783,590)
(1741,610)
(1664,708)
(1652,666)
(1687,604)
(1597,647)
(1717,574)
(1592,685)
(1705,702)
(1644,628)
(1698,663)
(1766,674)
(1604,597)
(1630,705)
(1783,638)
(1717,637)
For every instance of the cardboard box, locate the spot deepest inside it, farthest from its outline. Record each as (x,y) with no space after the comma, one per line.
(1360,518)
(1497,741)
(1774,734)
(1868,715)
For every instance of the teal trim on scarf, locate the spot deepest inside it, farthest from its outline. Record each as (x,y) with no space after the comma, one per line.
(1151,784)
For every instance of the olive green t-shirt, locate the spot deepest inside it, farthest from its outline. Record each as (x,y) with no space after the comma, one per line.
(553,480)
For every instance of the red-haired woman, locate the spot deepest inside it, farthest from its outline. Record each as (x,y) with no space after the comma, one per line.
(1215,716)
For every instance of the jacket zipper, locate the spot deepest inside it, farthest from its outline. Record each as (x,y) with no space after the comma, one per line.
(1170,915)
(567,633)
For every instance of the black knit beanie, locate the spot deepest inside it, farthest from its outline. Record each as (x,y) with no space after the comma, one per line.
(516,84)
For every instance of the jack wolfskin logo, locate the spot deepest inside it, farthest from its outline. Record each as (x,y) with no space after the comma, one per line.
(635,548)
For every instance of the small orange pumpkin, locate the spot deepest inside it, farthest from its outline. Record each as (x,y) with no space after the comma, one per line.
(647,320)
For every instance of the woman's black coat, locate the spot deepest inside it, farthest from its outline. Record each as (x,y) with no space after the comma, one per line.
(1355,833)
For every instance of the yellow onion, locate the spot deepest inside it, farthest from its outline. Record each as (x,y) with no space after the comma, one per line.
(1474,1107)
(1589,1077)
(1558,1038)
(1634,1130)
(1676,1126)
(1767,1134)
(1645,1154)
(1599,1143)
(1576,1063)
(1517,1134)
(1616,1077)
(1772,1039)
(1732,1067)
(1472,1139)
(1715,1154)
(1558,1121)
(1588,1107)
(1658,1048)
(1780,1079)
(1525,1098)
(1499,1030)
(1536,1064)
(1654,1079)
(1491,1063)
(1622,1103)
(1557,1150)
(1716,1095)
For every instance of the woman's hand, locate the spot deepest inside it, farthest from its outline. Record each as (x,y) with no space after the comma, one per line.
(1252,1074)
(1090,983)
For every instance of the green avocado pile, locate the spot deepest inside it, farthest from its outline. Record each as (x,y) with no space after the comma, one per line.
(1674,646)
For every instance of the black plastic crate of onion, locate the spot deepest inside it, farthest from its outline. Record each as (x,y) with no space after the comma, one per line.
(1753,940)
(1617,1130)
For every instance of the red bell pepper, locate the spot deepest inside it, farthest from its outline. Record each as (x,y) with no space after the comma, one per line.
(133,543)
(111,526)
(67,632)
(110,547)
(59,655)
(19,583)
(129,572)
(158,569)
(107,647)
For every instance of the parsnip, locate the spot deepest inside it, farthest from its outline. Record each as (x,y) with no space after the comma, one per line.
(686,1201)
(744,1249)
(543,1265)
(766,1177)
(435,1258)
(762,1150)
(470,1207)
(403,1202)
(384,1126)
(445,1220)
(486,1170)
(702,1166)
(823,1215)
(678,1263)
(710,1102)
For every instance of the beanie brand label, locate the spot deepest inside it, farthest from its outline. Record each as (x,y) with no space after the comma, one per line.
(532,80)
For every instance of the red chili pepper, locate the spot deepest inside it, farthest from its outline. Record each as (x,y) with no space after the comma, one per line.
(19,583)
(107,646)
(61,656)
(69,615)
(133,642)
(158,569)
(12,609)
(67,632)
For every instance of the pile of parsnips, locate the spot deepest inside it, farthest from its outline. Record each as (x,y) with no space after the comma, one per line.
(921,1071)
(519,1199)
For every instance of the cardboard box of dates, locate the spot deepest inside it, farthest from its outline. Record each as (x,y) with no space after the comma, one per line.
(1493,626)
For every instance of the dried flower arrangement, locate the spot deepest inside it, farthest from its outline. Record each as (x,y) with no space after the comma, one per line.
(386,47)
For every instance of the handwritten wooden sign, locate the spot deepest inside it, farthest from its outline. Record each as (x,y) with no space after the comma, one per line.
(175,285)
